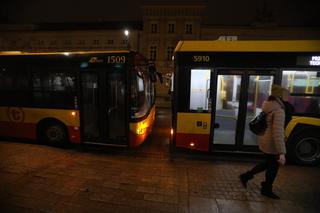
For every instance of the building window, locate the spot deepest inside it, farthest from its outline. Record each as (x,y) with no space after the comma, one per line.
(110,42)
(13,43)
(96,42)
(169,53)
(53,42)
(40,42)
(67,42)
(171,28)
(188,28)
(154,28)
(153,53)
(81,42)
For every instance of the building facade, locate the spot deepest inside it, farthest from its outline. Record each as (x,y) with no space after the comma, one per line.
(155,35)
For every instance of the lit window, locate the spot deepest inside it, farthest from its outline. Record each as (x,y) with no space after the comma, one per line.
(304,88)
(199,89)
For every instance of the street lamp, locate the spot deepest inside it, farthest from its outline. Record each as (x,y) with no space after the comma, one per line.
(126,33)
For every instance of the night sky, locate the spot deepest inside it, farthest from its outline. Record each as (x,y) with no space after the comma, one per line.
(218,12)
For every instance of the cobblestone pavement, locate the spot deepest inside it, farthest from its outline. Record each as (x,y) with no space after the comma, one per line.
(37,178)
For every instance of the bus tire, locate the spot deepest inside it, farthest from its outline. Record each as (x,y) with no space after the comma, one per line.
(54,133)
(304,148)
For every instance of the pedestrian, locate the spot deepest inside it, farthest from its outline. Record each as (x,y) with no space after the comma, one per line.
(271,143)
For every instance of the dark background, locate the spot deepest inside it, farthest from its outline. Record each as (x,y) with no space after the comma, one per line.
(217,12)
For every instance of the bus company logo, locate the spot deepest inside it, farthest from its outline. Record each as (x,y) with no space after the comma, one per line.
(15,114)
(95,60)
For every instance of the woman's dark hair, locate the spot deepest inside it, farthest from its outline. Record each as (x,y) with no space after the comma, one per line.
(272,98)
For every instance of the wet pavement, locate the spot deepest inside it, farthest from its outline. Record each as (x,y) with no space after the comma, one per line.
(38,178)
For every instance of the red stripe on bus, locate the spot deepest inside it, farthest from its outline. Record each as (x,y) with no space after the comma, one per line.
(193,141)
(29,131)
(18,130)
(74,134)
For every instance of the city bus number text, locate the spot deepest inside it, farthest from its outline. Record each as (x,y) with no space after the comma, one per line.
(116,59)
(201,58)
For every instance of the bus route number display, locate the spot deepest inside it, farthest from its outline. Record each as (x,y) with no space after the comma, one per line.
(116,59)
(201,58)
(112,59)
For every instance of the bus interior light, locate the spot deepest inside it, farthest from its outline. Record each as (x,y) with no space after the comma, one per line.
(73,113)
(192,144)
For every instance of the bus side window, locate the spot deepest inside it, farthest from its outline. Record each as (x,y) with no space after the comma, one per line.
(56,89)
(14,88)
(304,87)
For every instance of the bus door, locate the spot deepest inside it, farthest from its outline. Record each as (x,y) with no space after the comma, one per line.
(103,114)
(193,121)
(238,99)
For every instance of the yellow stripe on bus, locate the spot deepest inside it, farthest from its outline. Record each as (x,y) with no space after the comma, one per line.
(301,120)
(249,46)
(193,123)
(34,115)
(62,53)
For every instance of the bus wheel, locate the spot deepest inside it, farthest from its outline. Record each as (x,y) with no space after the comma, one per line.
(304,149)
(54,133)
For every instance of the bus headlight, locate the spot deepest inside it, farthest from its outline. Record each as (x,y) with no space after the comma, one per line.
(141,131)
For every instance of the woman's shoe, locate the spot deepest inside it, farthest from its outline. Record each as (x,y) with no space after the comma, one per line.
(266,190)
(244,178)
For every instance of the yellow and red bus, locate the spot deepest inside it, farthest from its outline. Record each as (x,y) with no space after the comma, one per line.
(219,86)
(105,97)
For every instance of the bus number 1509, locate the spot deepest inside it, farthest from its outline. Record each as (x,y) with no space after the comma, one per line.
(116,59)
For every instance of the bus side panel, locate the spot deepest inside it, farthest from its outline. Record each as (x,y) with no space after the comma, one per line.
(22,122)
(193,141)
(139,131)
(301,120)
(17,130)
(193,131)
(74,134)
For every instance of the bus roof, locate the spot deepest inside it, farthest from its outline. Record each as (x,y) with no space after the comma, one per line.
(16,53)
(249,46)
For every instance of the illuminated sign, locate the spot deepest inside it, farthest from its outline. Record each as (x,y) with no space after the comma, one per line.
(116,59)
(315,61)
(201,58)
(110,60)
(308,60)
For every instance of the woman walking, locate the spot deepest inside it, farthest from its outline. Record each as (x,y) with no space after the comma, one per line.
(271,143)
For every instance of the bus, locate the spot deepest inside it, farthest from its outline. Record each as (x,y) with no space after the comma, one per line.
(105,97)
(219,86)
